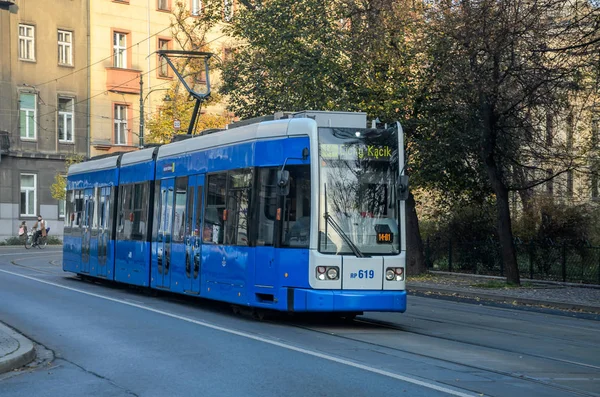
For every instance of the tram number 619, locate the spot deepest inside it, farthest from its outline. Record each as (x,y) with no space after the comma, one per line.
(363,274)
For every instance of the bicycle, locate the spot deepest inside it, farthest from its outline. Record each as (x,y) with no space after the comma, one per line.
(40,242)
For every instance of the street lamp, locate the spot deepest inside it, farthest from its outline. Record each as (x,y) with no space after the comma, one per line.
(142,101)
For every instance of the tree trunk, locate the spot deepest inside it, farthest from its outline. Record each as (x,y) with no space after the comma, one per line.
(415,261)
(488,147)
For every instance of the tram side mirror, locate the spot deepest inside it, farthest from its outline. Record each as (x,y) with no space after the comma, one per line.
(402,189)
(283,183)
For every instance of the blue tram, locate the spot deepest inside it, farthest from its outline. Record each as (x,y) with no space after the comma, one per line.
(301,213)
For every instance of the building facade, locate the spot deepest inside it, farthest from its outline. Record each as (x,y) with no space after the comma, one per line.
(43,105)
(125,36)
(76,78)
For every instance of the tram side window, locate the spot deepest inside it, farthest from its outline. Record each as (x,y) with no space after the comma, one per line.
(124,211)
(96,201)
(215,206)
(133,212)
(296,211)
(110,193)
(267,205)
(141,198)
(89,211)
(69,211)
(78,208)
(189,211)
(156,215)
(238,203)
(180,203)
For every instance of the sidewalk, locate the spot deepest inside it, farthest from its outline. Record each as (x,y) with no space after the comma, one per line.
(15,350)
(542,294)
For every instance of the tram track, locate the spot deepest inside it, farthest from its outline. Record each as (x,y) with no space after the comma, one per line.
(455,340)
(496,330)
(516,376)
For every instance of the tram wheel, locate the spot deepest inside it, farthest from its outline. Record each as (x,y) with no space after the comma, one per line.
(349,317)
(258,314)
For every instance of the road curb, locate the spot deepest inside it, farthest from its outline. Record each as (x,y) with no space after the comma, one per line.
(477,296)
(24,354)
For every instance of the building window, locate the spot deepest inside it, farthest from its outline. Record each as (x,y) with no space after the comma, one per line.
(595,130)
(550,182)
(227,10)
(65,47)
(27,115)
(570,128)
(594,181)
(228,54)
(163,5)
(28,195)
(120,122)
(196,7)
(549,128)
(120,50)
(65,119)
(163,67)
(26,42)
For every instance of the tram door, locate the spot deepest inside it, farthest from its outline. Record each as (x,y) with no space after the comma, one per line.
(193,234)
(165,233)
(103,202)
(86,234)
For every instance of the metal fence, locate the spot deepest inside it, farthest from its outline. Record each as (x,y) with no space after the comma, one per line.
(539,260)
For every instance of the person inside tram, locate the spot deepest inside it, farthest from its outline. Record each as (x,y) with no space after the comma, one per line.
(207,233)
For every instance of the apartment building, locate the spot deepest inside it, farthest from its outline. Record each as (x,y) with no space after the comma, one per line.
(125,34)
(43,105)
(124,38)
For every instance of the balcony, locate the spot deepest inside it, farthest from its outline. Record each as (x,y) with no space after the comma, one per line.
(123,80)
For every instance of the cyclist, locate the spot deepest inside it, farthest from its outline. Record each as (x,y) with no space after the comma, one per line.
(40,227)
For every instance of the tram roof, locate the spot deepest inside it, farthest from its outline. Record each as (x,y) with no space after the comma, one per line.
(94,165)
(138,156)
(264,130)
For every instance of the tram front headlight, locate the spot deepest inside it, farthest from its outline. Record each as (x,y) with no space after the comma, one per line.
(389,274)
(332,273)
(321,272)
(394,273)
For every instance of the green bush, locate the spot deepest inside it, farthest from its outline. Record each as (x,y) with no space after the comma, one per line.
(52,240)
(13,241)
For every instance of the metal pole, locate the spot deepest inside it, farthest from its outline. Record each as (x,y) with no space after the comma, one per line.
(141,143)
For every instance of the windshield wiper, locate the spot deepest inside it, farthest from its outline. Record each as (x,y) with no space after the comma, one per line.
(329,219)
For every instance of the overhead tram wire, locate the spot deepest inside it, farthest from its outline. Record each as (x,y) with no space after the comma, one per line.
(110,56)
(101,60)
(100,93)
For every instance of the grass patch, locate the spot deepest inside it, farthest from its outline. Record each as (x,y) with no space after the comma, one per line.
(423,277)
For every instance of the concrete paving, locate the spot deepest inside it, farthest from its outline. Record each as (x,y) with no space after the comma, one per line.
(532,293)
(15,349)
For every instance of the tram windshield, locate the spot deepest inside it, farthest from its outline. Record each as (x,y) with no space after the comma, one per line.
(358,176)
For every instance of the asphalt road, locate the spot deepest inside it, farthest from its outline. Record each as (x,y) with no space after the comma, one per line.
(110,340)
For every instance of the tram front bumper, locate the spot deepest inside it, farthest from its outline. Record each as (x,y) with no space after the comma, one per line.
(312,300)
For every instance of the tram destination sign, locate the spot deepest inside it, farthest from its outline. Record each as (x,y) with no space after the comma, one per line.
(169,167)
(353,151)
